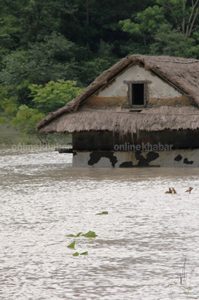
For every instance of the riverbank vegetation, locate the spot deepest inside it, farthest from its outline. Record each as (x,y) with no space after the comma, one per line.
(50,50)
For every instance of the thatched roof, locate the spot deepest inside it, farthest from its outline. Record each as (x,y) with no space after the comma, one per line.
(182,73)
(125,122)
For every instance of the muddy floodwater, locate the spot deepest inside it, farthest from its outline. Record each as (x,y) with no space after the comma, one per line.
(147,246)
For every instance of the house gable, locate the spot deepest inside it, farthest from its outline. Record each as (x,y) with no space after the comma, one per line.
(116,93)
(178,89)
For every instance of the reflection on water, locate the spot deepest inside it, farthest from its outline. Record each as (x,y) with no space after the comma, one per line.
(146,248)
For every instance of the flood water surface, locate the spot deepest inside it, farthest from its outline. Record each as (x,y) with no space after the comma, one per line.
(147,246)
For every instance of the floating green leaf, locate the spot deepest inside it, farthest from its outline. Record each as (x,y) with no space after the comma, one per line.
(74,235)
(89,234)
(72,245)
(79,234)
(84,253)
(70,235)
(102,213)
(76,254)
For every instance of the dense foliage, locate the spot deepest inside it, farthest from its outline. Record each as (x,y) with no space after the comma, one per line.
(49,50)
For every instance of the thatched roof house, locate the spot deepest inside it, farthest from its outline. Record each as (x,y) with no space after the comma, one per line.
(138,97)
(181,73)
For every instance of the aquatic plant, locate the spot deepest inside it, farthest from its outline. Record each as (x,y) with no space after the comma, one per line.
(72,245)
(84,253)
(185,277)
(74,235)
(78,254)
(102,213)
(90,234)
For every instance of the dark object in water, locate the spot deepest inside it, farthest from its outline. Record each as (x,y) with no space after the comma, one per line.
(189,190)
(171,191)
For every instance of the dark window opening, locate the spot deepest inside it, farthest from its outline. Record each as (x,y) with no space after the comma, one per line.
(138,94)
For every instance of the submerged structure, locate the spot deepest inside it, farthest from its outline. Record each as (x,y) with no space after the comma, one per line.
(143,111)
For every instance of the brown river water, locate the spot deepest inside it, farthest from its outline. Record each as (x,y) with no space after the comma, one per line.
(147,247)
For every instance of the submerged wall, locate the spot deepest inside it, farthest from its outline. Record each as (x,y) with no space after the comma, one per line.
(107,159)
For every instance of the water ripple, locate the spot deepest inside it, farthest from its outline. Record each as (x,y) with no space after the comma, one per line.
(146,247)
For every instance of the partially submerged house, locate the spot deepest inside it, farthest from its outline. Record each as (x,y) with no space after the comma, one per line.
(143,111)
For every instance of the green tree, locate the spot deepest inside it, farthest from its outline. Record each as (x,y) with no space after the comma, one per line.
(171,42)
(165,28)
(52,59)
(54,94)
(8,102)
(26,119)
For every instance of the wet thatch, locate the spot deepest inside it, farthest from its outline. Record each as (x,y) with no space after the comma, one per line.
(182,73)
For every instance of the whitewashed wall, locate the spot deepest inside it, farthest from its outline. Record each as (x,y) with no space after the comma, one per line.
(157,88)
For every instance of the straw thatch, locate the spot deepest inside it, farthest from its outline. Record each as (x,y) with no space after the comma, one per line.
(126,122)
(182,73)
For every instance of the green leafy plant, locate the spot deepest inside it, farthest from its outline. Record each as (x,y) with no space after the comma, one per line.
(84,253)
(72,245)
(90,235)
(74,235)
(78,254)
